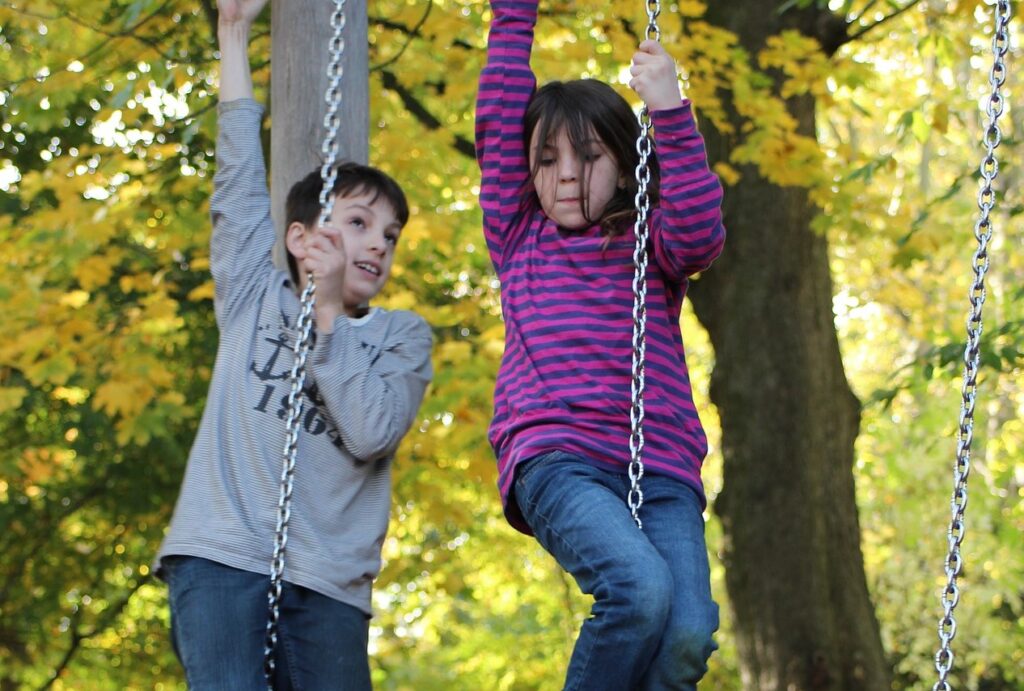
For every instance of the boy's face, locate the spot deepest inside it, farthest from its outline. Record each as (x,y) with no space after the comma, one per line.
(558,176)
(368,232)
(369,235)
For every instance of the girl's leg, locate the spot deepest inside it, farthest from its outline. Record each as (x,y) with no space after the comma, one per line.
(673,522)
(218,621)
(578,513)
(324,642)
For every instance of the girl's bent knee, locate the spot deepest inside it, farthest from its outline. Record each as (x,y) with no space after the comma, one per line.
(644,600)
(694,645)
(682,659)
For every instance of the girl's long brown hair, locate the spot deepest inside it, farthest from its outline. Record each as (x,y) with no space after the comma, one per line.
(583,108)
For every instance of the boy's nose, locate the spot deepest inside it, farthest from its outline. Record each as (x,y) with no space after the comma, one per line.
(377,243)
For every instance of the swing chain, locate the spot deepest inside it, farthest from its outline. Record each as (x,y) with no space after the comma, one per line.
(644,145)
(332,119)
(989,169)
(294,407)
(303,341)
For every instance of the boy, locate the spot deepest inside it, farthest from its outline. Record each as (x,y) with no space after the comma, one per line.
(366,375)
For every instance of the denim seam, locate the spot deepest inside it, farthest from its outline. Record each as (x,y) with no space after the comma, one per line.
(601,583)
(599,624)
(284,641)
(175,617)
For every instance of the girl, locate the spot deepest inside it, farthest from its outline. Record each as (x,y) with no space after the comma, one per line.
(557,194)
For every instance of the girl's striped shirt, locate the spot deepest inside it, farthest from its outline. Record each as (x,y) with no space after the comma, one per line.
(567,299)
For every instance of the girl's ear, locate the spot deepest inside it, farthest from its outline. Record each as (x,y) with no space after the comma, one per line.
(295,240)
(621,184)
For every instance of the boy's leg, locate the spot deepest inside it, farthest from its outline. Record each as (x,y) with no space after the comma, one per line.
(324,641)
(218,622)
(674,524)
(579,514)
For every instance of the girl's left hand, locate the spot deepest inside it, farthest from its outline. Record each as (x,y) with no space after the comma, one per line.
(654,76)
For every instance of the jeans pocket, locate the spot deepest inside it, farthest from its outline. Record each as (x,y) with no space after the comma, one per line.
(528,468)
(168,568)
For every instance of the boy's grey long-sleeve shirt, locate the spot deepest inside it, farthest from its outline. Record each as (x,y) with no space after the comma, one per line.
(364,385)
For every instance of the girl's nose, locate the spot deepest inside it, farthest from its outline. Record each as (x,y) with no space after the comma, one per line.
(567,171)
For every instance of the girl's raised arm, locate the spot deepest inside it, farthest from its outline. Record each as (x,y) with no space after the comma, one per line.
(506,85)
(690,234)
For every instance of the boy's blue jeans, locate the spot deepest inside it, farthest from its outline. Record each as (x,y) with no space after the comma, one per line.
(653,618)
(218,627)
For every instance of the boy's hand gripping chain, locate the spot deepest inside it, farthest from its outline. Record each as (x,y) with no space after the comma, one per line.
(640,228)
(303,332)
(983,233)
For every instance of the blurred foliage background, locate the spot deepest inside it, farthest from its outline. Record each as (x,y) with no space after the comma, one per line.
(106,157)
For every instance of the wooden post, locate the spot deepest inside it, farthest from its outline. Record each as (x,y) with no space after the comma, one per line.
(300,40)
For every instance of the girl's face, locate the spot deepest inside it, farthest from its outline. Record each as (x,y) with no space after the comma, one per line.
(573,193)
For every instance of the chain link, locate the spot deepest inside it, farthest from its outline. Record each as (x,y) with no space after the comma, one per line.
(294,413)
(989,168)
(635,498)
(303,339)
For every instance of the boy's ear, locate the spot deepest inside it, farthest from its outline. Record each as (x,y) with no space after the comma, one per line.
(294,240)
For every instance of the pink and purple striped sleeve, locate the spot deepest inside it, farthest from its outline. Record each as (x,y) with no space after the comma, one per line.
(506,85)
(690,234)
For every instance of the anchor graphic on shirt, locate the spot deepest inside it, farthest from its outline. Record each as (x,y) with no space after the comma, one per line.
(266,373)
(283,340)
(313,421)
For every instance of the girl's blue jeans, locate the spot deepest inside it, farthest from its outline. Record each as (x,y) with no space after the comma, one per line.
(218,627)
(652,623)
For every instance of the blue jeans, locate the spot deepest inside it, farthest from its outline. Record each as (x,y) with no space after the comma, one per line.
(653,618)
(218,627)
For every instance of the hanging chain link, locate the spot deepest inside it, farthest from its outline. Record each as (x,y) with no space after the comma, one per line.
(294,407)
(983,233)
(303,339)
(644,146)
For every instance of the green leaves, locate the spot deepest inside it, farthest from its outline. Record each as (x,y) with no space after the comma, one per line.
(110,336)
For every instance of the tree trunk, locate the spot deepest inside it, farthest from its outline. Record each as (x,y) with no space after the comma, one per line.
(794,568)
(301,34)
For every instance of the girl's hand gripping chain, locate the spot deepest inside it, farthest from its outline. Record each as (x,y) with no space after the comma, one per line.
(654,77)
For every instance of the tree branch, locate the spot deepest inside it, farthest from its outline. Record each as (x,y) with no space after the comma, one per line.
(409,35)
(864,11)
(111,35)
(858,34)
(422,115)
(126,32)
(209,8)
(102,624)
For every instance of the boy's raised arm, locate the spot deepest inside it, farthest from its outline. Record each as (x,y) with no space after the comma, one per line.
(234,22)
(243,233)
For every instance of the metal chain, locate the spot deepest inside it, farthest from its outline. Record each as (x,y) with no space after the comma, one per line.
(644,145)
(983,233)
(303,333)
(294,406)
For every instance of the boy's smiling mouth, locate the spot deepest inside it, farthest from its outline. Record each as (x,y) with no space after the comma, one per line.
(369,267)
